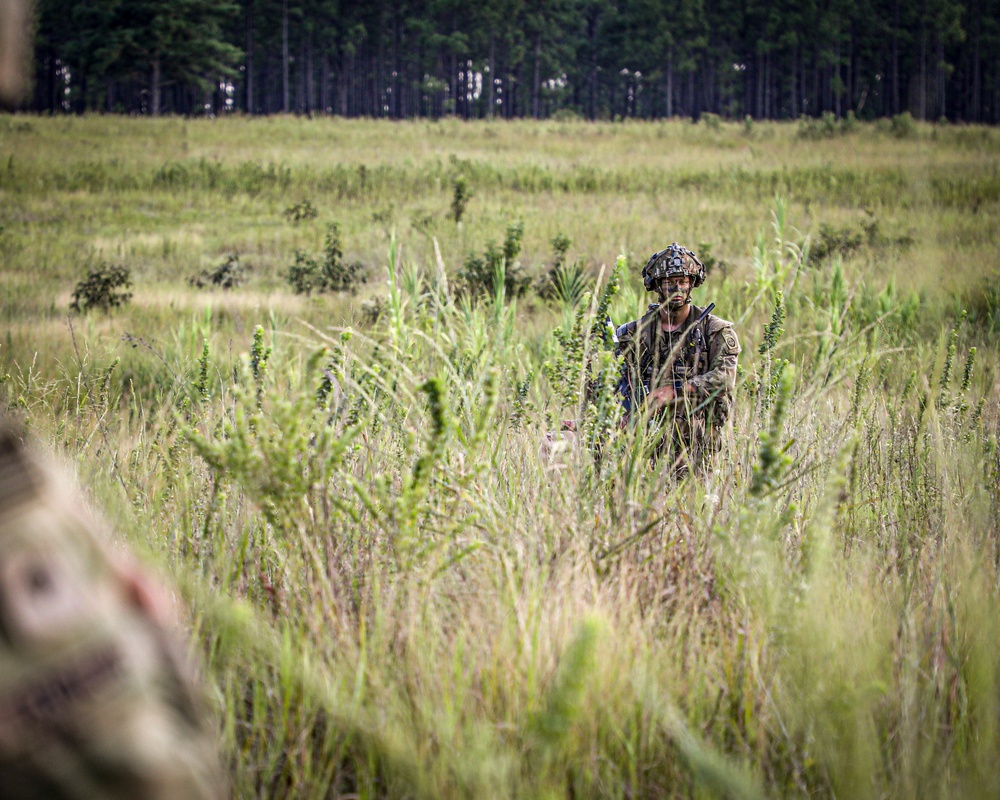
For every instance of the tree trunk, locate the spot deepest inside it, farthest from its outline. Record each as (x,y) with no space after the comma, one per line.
(803,84)
(324,86)
(835,83)
(154,106)
(941,78)
(996,94)
(488,76)
(393,98)
(536,80)
(249,61)
(454,82)
(286,98)
(817,89)
(852,70)
(922,102)
(310,78)
(976,70)
(342,87)
(668,90)
(300,78)
(767,86)
(795,64)
(708,70)
(896,94)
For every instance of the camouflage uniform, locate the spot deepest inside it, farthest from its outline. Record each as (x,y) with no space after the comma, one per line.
(96,700)
(704,356)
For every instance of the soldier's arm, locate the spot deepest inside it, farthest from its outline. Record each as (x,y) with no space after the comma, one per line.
(625,335)
(723,351)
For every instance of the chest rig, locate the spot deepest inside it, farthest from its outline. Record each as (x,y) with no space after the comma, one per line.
(659,364)
(674,358)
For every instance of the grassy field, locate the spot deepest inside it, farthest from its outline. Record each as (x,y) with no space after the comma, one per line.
(393,592)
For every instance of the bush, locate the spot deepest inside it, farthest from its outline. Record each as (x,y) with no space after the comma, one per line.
(373,309)
(103,288)
(566,114)
(903,126)
(301,211)
(304,274)
(479,274)
(460,198)
(710,261)
(825,127)
(711,121)
(982,299)
(332,274)
(849,239)
(563,283)
(834,241)
(228,275)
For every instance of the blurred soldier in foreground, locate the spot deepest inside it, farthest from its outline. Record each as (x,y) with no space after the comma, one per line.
(15,38)
(680,361)
(96,700)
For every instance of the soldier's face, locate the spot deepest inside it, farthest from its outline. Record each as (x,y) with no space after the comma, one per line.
(675,290)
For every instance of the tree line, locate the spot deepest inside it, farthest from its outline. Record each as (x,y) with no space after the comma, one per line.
(597,59)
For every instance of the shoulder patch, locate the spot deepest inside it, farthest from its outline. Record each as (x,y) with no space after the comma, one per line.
(729,337)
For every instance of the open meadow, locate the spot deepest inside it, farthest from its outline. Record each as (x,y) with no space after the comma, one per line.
(320,412)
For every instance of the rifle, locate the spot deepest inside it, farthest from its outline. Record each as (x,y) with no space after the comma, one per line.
(699,346)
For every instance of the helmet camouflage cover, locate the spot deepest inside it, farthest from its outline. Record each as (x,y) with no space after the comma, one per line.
(97,700)
(673,260)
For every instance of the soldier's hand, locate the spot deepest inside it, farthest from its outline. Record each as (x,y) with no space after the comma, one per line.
(660,397)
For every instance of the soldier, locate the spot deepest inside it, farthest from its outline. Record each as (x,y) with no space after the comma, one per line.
(96,699)
(680,360)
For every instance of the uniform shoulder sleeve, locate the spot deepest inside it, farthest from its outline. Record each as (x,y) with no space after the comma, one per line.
(625,332)
(723,328)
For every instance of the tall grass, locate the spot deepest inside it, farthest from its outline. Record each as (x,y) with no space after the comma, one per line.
(397,593)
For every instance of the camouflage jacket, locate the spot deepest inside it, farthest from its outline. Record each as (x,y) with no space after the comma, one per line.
(704,355)
(97,700)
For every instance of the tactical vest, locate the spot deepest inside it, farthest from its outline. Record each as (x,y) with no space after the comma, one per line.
(691,359)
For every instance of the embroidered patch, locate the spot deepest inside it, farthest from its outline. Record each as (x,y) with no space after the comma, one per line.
(730,339)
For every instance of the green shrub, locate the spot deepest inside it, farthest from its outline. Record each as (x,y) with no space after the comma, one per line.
(564,283)
(104,288)
(826,126)
(332,274)
(460,198)
(228,275)
(712,264)
(304,274)
(482,274)
(566,114)
(373,309)
(982,299)
(836,241)
(712,121)
(849,239)
(903,126)
(301,211)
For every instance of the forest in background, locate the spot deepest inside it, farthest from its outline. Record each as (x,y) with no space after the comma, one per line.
(779,59)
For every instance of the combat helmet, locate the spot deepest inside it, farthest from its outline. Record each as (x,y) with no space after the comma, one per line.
(673,260)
